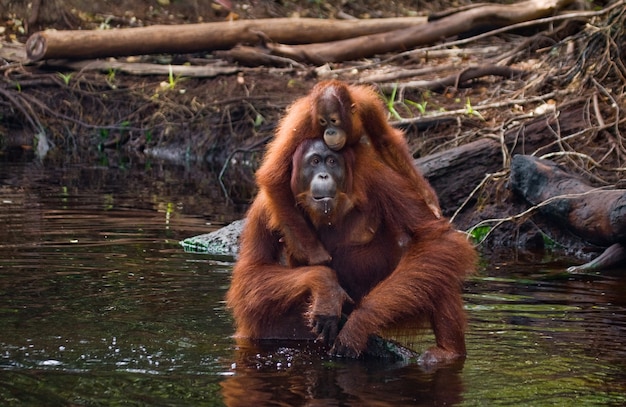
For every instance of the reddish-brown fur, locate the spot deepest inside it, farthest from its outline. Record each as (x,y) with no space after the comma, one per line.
(390,280)
(361,114)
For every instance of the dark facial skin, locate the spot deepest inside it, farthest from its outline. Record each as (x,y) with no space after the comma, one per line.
(323,175)
(334,110)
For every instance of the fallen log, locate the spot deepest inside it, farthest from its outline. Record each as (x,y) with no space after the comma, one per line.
(472,160)
(453,173)
(12,52)
(442,170)
(456,172)
(596,215)
(156,39)
(221,242)
(490,15)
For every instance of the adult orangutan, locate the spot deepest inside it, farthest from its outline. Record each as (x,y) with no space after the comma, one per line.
(343,115)
(393,261)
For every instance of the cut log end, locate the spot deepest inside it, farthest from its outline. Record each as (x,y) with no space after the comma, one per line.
(36,46)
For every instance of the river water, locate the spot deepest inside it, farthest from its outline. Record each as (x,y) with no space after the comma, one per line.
(100,305)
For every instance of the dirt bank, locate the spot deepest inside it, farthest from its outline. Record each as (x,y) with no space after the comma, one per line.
(573,65)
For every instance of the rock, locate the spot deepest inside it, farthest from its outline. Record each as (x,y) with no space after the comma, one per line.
(222,242)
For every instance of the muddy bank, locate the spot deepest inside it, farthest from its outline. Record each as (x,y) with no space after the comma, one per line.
(569,92)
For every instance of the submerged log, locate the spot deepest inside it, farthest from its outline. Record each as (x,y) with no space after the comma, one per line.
(453,173)
(612,256)
(596,215)
(221,242)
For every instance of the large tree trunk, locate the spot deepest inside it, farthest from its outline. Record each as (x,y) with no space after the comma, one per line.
(491,15)
(456,172)
(187,38)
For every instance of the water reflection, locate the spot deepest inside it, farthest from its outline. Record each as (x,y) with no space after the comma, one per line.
(99,305)
(552,337)
(271,374)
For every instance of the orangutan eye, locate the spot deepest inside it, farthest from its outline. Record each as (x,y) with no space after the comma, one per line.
(323,122)
(331,161)
(315,160)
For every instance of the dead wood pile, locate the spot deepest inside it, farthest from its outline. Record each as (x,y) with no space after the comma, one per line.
(322,41)
(550,85)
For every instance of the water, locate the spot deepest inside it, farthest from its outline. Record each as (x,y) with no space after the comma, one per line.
(99,305)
